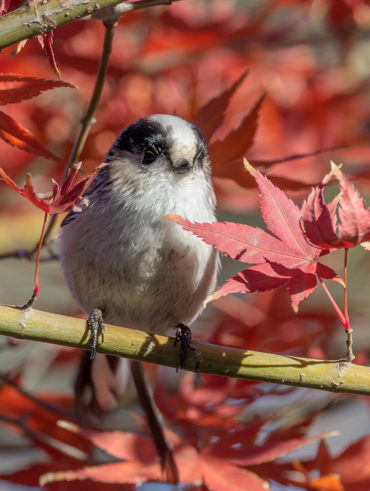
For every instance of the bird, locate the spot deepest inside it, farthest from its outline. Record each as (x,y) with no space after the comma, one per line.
(125,263)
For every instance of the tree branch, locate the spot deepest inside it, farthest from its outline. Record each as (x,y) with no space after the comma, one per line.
(88,118)
(39,17)
(334,376)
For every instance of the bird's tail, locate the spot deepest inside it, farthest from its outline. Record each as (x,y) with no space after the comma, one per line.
(155,422)
(99,384)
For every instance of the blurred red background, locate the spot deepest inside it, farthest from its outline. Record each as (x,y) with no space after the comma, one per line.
(311,59)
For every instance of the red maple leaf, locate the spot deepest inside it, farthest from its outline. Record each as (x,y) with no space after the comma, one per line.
(46,43)
(8,5)
(352,465)
(219,465)
(64,195)
(211,116)
(283,257)
(24,88)
(319,220)
(236,143)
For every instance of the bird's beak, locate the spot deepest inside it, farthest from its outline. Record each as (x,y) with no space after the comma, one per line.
(182,167)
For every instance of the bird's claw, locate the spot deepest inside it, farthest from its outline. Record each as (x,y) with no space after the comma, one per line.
(95,323)
(183,335)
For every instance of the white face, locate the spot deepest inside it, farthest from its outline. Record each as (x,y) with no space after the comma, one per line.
(184,140)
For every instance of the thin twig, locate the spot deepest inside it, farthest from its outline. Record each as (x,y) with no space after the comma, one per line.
(110,16)
(28,254)
(19,253)
(86,123)
(298,156)
(45,405)
(88,119)
(62,447)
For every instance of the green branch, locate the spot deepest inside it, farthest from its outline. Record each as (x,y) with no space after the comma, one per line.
(42,17)
(334,376)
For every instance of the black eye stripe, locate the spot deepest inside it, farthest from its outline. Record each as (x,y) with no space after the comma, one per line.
(139,137)
(146,134)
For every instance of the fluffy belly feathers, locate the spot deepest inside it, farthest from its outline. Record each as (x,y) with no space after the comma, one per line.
(152,283)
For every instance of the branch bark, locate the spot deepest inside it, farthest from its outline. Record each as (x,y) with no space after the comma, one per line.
(39,17)
(334,376)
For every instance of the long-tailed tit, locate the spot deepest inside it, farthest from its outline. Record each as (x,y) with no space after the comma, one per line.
(122,259)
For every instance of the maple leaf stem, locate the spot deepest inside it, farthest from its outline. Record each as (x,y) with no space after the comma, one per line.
(345,279)
(347,326)
(37,285)
(36,290)
(342,317)
(49,230)
(333,302)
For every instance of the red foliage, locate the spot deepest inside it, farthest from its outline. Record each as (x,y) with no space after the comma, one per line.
(221,465)
(10,130)
(191,59)
(64,195)
(320,222)
(287,257)
(8,5)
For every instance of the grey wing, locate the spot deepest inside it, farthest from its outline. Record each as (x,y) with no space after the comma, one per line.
(97,187)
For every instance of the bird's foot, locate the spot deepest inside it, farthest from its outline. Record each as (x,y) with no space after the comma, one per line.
(183,336)
(95,323)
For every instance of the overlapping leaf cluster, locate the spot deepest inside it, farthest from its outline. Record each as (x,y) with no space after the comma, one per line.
(64,195)
(211,446)
(288,256)
(302,110)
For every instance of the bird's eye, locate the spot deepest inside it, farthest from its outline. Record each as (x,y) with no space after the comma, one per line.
(149,157)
